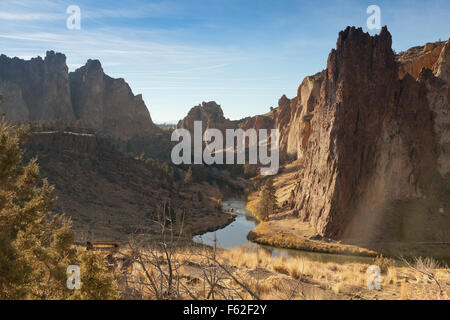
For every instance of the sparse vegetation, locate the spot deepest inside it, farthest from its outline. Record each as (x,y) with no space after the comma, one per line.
(268,203)
(278,238)
(384,263)
(36,246)
(246,273)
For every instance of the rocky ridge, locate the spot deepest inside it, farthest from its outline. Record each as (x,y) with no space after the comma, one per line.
(43,89)
(370,134)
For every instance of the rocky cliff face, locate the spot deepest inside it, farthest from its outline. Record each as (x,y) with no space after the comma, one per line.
(371,136)
(14,105)
(108,105)
(43,85)
(415,59)
(211,115)
(42,89)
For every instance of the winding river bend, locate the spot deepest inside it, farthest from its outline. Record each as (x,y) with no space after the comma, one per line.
(235,235)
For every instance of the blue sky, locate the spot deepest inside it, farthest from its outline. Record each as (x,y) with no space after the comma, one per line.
(242,54)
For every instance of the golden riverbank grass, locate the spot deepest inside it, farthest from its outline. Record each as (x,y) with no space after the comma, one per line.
(262,234)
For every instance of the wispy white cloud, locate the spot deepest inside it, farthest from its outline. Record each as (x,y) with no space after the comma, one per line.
(44,11)
(35,37)
(162,9)
(19,16)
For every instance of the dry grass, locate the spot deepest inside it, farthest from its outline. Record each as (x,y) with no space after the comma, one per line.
(280,238)
(396,282)
(384,263)
(252,203)
(404,290)
(290,278)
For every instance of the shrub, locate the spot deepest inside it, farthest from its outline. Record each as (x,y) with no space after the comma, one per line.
(36,246)
(384,263)
(268,202)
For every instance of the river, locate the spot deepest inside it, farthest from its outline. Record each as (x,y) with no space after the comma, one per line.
(235,235)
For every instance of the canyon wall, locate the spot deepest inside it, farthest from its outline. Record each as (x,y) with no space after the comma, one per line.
(370,135)
(372,140)
(40,84)
(211,115)
(43,89)
(108,105)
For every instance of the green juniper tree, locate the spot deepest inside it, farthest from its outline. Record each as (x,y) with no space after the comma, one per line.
(36,246)
(268,202)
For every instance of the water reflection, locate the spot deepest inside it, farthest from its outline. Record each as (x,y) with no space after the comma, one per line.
(235,235)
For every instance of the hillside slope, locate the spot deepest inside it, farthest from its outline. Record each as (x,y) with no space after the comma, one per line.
(44,90)
(112,196)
